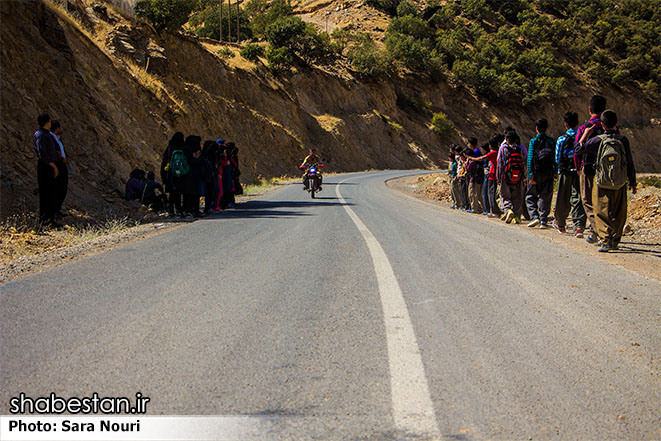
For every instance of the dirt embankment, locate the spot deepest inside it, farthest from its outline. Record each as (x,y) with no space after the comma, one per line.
(120,91)
(640,249)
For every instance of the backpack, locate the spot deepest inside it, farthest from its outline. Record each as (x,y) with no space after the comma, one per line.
(589,159)
(566,163)
(544,159)
(178,164)
(611,163)
(477,172)
(513,170)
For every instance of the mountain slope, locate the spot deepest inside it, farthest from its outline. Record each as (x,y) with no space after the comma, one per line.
(120,91)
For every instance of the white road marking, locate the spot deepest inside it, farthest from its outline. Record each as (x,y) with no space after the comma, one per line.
(412,407)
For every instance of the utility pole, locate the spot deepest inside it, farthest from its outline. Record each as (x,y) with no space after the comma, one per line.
(229,20)
(238,24)
(220,19)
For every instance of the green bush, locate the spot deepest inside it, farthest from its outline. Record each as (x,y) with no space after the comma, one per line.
(441,124)
(409,25)
(279,59)
(263,13)
(406,8)
(225,52)
(285,32)
(252,52)
(206,24)
(410,51)
(366,59)
(168,15)
(316,47)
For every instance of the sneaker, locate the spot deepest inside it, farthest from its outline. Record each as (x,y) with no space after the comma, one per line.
(516,220)
(509,216)
(543,226)
(319,189)
(561,229)
(470,211)
(579,233)
(605,248)
(591,239)
(533,223)
(492,215)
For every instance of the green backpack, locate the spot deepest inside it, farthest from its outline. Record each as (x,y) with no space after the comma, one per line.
(178,164)
(611,165)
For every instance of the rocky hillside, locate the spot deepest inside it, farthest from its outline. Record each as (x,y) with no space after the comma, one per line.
(120,91)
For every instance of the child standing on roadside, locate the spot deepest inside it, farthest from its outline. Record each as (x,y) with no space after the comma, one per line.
(613,167)
(510,174)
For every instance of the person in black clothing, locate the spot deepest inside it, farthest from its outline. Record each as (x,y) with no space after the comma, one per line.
(190,183)
(47,171)
(173,185)
(210,153)
(149,197)
(63,170)
(202,178)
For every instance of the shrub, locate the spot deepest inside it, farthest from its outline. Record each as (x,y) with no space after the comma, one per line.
(225,52)
(252,52)
(406,8)
(441,124)
(207,24)
(367,59)
(279,59)
(411,52)
(409,25)
(169,15)
(316,47)
(262,14)
(285,32)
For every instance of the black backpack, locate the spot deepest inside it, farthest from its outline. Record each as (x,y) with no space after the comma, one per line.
(477,172)
(544,156)
(590,159)
(566,163)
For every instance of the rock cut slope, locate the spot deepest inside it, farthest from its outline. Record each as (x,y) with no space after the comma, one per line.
(121,90)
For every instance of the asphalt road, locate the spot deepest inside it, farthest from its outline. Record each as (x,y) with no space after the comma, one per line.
(362,314)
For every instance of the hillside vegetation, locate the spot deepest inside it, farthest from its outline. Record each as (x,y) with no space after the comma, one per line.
(379,90)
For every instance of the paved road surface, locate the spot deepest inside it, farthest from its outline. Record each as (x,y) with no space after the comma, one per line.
(362,314)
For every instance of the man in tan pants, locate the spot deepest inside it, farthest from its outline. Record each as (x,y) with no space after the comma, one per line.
(610,204)
(585,161)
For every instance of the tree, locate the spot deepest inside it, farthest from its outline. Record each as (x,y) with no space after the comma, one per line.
(168,15)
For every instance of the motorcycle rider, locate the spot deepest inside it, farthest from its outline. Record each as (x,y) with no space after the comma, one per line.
(309,160)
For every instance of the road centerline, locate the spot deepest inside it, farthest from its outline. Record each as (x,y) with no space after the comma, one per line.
(412,406)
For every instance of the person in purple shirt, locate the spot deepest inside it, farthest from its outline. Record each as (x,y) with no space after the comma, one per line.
(610,205)
(47,171)
(585,162)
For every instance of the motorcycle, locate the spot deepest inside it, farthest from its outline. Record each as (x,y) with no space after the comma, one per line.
(313,177)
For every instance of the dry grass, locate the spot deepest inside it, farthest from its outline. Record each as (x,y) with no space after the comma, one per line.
(153,84)
(262,185)
(21,234)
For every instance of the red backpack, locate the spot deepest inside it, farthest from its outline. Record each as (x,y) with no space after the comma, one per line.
(513,171)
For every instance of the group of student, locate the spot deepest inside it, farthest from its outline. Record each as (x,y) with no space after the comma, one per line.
(592,162)
(191,170)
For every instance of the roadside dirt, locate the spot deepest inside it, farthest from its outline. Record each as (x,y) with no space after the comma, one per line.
(26,251)
(640,249)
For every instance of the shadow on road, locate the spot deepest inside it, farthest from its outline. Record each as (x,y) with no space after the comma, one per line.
(626,248)
(259,209)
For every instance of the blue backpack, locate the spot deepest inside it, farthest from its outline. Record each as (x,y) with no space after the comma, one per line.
(566,163)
